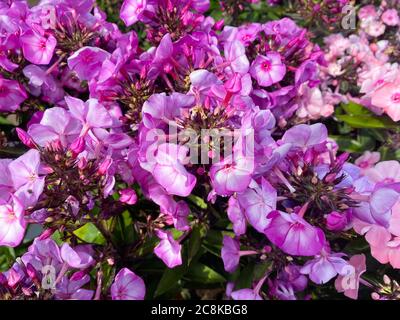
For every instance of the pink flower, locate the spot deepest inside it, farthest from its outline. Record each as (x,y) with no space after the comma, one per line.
(350,282)
(128,286)
(384,172)
(87,62)
(128,196)
(91,113)
(26,177)
(390,17)
(230,253)
(231,174)
(235,54)
(236,216)
(384,246)
(169,171)
(55,125)
(12,224)
(325,266)
(268,69)
(168,250)
(78,257)
(257,201)
(293,235)
(131,11)
(12,94)
(37,48)
(388,99)
(367,160)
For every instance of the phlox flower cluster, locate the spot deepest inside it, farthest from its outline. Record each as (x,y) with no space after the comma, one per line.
(140,142)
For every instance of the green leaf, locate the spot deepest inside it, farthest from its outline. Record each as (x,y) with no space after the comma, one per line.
(90,234)
(246,277)
(169,279)
(124,230)
(355,109)
(5,121)
(199,272)
(367,121)
(194,242)
(198,201)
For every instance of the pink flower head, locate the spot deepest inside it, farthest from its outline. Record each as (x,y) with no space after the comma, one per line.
(128,286)
(257,202)
(230,253)
(131,11)
(12,94)
(231,174)
(169,171)
(168,250)
(388,99)
(292,234)
(350,282)
(37,48)
(12,223)
(87,62)
(390,17)
(268,69)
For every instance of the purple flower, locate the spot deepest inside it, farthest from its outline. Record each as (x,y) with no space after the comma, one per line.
(325,266)
(12,223)
(26,177)
(131,11)
(293,235)
(336,221)
(236,216)
(91,113)
(378,207)
(231,174)
(55,125)
(245,294)
(235,54)
(78,257)
(168,250)
(71,288)
(230,253)
(169,171)
(257,201)
(128,196)
(268,69)
(12,94)
(128,286)
(305,136)
(37,48)
(87,62)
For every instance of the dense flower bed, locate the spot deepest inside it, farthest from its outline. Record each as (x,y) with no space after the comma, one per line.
(185,149)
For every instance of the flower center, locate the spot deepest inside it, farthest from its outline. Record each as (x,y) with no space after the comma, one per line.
(266,65)
(396,97)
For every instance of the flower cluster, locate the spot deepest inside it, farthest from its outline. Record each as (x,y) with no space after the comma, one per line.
(372,52)
(171,143)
